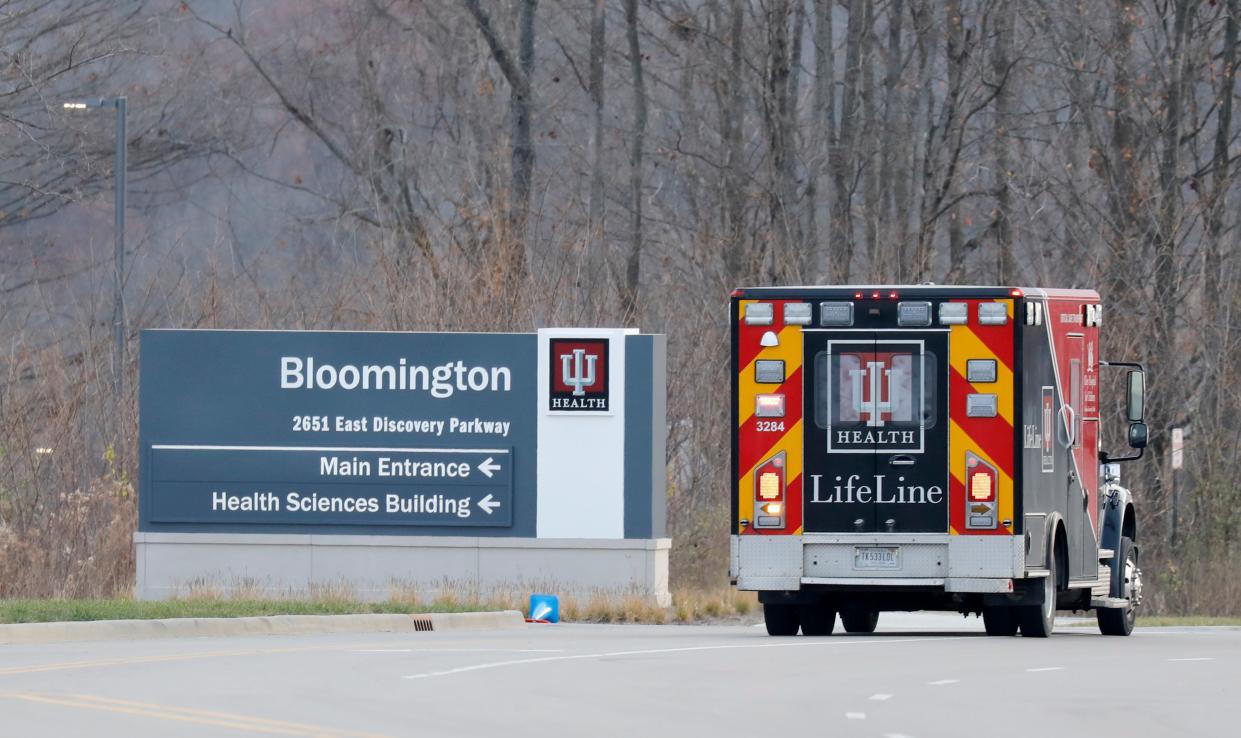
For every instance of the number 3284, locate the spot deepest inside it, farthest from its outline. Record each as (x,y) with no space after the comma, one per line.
(769,426)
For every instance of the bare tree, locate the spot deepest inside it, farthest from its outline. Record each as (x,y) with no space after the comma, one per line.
(598,197)
(633,256)
(518,74)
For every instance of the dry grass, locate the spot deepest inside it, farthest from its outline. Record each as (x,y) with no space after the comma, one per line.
(689,606)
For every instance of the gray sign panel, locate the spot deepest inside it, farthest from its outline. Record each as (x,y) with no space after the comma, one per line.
(363,486)
(344,432)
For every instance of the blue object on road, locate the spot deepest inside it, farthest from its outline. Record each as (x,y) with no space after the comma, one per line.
(545,607)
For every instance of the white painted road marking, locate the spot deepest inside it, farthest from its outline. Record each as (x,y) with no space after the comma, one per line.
(880,697)
(942,682)
(1197,658)
(1048,668)
(855,715)
(459,650)
(657,651)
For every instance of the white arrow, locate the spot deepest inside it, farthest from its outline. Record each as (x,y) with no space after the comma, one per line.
(489,467)
(487,504)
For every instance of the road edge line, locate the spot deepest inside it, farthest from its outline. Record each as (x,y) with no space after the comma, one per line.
(130,630)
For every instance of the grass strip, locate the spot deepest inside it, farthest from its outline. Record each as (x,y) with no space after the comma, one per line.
(1172,621)
(44,611)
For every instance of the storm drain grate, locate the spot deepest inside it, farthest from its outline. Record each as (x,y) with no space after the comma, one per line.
(422,622)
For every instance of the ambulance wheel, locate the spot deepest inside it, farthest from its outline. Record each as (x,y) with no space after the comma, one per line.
(1127,584)
(1037,621)
(817,620)
(1000,620)
(781,619)
(858,620)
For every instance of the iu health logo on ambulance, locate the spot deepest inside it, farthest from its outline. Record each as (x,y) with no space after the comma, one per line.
(876,400)
(579,375)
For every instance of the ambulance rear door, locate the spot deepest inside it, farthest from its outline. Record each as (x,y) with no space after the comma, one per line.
(876,450)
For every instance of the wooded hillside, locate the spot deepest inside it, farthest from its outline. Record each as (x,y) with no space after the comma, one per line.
(508,164)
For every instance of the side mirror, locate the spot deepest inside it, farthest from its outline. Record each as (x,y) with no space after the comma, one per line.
(1136,402)
(1137,432)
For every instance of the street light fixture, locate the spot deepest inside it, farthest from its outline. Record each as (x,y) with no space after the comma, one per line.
(118,277)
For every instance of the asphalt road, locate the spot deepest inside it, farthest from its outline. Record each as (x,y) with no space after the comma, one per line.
(921,677)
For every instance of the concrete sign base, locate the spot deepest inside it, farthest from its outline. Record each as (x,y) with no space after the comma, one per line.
(379,567)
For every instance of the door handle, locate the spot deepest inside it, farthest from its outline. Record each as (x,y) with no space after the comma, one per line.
(1070,426)
(901,460)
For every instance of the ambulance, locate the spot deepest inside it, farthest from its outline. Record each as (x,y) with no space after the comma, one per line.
(900,448)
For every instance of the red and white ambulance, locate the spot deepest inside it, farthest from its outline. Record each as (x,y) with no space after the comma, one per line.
(928,448)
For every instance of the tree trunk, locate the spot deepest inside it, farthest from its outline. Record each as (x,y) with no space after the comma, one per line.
(733,120)
(633,260)
(780,111)
(596,241)
(894,180)
(1002,222)
(924,117)
(823,128)
(1166,396)
(520,103)
(956,61)
(523,146)
(842,159)
(868,146)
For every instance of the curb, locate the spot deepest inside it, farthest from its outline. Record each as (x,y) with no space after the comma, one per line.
(132,630)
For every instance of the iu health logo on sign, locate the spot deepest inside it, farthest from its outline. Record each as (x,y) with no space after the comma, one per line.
(579,375)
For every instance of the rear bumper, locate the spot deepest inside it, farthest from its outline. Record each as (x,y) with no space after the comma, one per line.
(980,564)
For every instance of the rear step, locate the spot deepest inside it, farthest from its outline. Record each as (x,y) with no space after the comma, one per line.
(1103,587)
(1109,603)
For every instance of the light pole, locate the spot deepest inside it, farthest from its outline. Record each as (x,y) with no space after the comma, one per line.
(118,266)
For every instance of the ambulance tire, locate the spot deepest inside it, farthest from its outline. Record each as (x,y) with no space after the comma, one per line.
(1118,621)
(1000,620)
(1037,621)
(859,621)
(817,620)
(781,619)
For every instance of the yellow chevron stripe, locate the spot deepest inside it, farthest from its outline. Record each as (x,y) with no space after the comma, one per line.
(958,443)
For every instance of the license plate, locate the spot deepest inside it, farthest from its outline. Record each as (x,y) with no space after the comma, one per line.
(876,557)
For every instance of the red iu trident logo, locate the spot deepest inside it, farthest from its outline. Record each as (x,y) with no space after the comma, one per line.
(579,374)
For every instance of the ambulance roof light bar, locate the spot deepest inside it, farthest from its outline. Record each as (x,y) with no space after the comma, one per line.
(954,313)
(797,313)
(992,313)
(838,314)
(759,313)
(913,314)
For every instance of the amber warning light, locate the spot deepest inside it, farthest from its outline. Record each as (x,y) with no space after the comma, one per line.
(769,480)
(981,483)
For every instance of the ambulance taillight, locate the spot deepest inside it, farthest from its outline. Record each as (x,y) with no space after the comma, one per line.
(981,480)
(769,484)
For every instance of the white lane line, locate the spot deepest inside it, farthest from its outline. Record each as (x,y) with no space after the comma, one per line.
(942,682)
(685,649)
(1197,658)
(459,651)
(880,697)
(895,735)
(855,716)
(1047,668)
